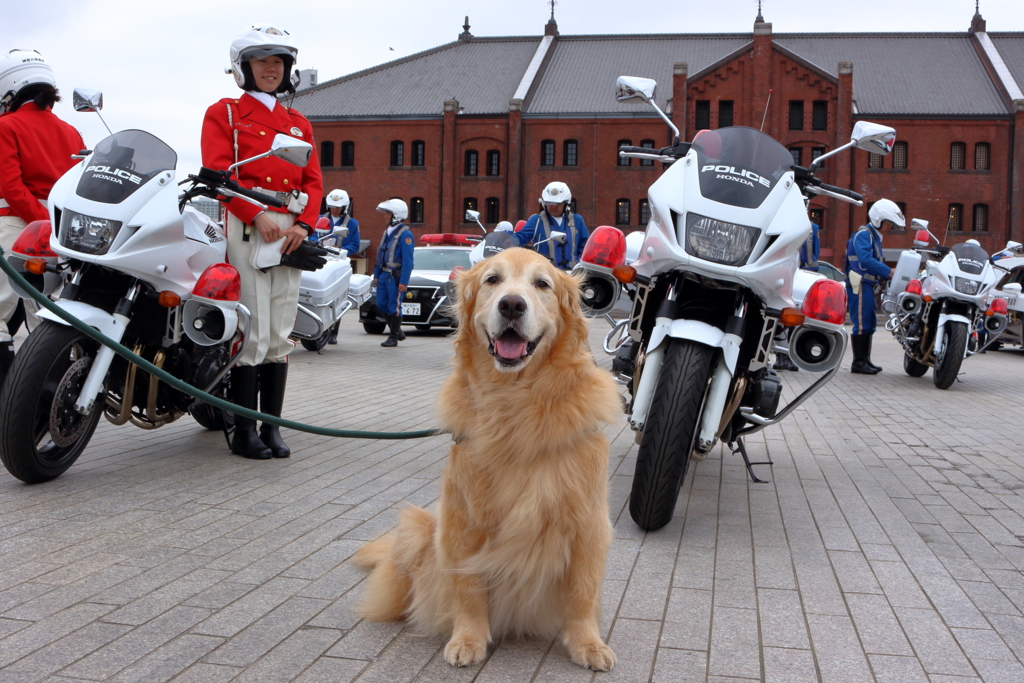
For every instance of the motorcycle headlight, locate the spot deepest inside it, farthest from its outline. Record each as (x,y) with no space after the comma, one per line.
(719,242)
(966,286)
(87,234)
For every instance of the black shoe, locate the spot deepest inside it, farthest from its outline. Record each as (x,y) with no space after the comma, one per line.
(784,362)
(333,339)
(245,441)
(389,342)
(860,366)
(273,378)
(867,351)
(395,324)
(397,329)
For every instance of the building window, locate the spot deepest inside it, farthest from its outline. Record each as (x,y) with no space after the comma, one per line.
(900,154)
(547,153)
(645,212)
(874,160)
(492,210)
(471,159)
(623,161)
(724,113)
(815,153)
(419,153)
(796,114)
(397,153)
(798,155)
(981,156)
(348,153)
(327,154)
(956,217)
(621,212)
(957,154)
(817,215)
(703,112)
(468,204)
(569,153)
(416,210)
(980,218)
(493,162)
(819,115)
(649,144)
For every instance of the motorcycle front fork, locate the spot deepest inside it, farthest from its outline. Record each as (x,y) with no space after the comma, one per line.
(104,357)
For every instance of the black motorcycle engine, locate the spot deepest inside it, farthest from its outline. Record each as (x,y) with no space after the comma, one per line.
(764,389)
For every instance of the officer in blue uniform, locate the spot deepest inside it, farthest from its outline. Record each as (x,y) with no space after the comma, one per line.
(865,273)
(810,250)
(556,215)
(338,217)
(394,266)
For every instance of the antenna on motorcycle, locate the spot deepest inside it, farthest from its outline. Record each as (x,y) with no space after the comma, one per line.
(948,221)
(766,109)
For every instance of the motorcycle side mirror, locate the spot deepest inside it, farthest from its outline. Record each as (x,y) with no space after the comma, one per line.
(557,237)
(87,100)
(634,88)
(294,151)
(472,216)
(1015,247)
(873,137)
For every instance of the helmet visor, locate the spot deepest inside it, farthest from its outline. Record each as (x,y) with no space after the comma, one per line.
(268,51)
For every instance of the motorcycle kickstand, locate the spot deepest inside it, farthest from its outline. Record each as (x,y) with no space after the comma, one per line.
(737,446)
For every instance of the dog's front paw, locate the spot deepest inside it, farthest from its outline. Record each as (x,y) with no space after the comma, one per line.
(593,655)
(467,652)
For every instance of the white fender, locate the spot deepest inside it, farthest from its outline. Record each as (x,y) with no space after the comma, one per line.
(940,329)
(90,315)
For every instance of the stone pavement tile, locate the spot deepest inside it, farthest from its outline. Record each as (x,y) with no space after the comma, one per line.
(880,551)
(513,660)
(439,671)
(899,585)
(330,670)
(818,586)
(734,576)
(61,653)
(853,572)
(165,662)
(322,561)
(265,633)
(264,569)
(987,598)
(20,594)
(635,644)
(964,569)
(558,668)
(9,626)
(839,538)
(933,643)
(290,657)
(367,640)
(333,583)
(999,671)
(403,660)
(838,651)
(48,630)
(25,571)
(679,665)
(788,666)
(611,602)
(877,626)
(206,673)
(153,556)
(219,595)
(694,567)
(622,557)
(782,619)
(342,613)
(70,573)
(108,660)
(734,643)
(1011,629)
(773,568)
(67,595)
(244,611)
(648,590)
(688,620)
(983,644)
(889,669)
(150,580)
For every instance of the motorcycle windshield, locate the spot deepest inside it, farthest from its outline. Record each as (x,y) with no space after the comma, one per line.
(739,166)
(121,164)
(497,242)
(970,258)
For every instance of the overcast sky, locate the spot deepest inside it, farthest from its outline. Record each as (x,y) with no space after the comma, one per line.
(161,64)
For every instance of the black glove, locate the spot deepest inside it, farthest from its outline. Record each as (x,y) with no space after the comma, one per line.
(307,256)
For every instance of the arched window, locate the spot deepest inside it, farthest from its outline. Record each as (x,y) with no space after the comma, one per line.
(645,212)
(493,206)
(547,153)
(327,154)
(397,153)
(493,162)
(621,212)
(471,162)
(468,204)
(419,153)
(874,160)
(649,144)
(623,161)
(901,155)
(980,218)
(569,153)
(982,156)
(957,156)
(416,210)
(798,155)
(348,153)
(956,217)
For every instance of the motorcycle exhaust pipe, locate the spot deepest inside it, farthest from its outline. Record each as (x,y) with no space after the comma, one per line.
(598,293)
(816,349)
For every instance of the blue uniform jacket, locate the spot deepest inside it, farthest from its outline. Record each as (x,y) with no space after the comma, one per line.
(810,250)
(403,255)
(351,243)
(565,254)
(864,254)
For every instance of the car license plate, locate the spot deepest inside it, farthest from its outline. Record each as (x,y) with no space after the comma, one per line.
(410,309)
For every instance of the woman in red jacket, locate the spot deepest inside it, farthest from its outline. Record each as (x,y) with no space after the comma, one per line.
(262,58)
(35,150)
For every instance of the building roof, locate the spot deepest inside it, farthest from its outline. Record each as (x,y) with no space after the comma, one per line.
(1011,48)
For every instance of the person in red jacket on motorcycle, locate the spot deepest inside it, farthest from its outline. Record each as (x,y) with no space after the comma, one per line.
(35,150)
(236,129)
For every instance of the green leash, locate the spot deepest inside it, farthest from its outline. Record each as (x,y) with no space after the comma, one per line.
(124,352)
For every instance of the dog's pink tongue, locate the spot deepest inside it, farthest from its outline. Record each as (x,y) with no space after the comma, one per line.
(510,350)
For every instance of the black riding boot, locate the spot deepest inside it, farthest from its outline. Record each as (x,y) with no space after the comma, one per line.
(860,365)
(395,324)
(245,441)
(867,351)
(6,359)
(273,377)
(333,338)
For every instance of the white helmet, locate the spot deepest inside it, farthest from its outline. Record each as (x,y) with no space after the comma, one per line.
(21,68)
(504,226)
(396,207)
(338,198)
(555,193)
(886,210)
(256,42)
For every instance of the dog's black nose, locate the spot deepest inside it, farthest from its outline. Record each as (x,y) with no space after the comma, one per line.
(512,306)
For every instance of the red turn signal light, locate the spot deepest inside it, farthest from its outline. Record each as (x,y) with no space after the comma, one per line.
(914,287)
(168,299)
(790,317)
(221,282)
(34,240)
(36,266)
(826,301)
(606,247)
(997,306)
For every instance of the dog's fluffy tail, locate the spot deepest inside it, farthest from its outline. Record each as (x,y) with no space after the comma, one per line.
(392,559)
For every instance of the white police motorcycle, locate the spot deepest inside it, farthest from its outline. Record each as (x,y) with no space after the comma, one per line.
(713,279)
(134,261)
(938,300)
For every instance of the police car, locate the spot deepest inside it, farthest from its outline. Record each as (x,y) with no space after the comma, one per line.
(424,304)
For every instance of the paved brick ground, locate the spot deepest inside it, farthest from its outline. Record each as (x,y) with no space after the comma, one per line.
(888,545)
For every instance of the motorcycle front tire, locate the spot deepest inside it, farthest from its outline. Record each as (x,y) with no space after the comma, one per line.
(207,416)
(948,366)
(42,386)
(912,367)
(670,432)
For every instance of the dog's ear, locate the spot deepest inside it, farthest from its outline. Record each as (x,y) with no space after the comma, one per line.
(568,287)
(466,286)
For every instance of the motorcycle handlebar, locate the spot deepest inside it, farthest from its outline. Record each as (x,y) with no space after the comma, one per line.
(839,190)
(629,149)
(221,179)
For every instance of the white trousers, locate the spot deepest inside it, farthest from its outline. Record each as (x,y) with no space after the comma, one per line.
(271,297)
(10,229)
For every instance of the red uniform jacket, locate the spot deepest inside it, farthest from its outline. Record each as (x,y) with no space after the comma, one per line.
(257,126)
(35,150)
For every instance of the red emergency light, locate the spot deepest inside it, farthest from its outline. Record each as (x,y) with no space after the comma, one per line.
(450,238)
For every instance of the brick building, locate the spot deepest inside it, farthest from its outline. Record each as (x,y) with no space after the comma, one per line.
(485,123)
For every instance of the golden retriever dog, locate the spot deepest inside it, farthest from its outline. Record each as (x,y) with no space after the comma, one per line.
(519,542)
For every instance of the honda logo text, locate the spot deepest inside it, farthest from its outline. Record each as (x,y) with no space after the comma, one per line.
(113,174)
(726,173)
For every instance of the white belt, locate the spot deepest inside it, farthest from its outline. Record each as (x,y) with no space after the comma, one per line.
(5,205)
